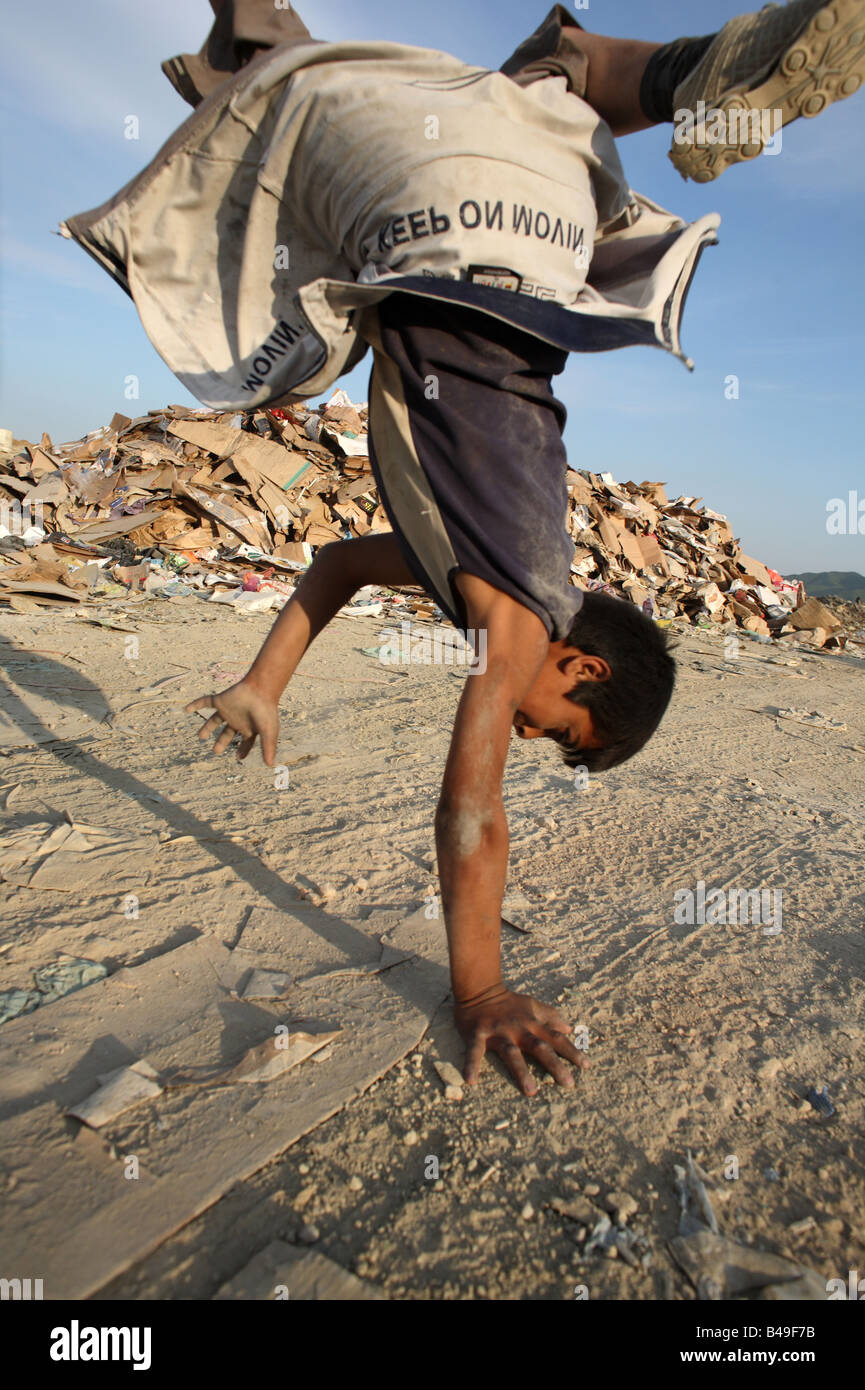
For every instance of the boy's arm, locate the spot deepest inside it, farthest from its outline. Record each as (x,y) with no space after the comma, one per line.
(472,844)
(336,573)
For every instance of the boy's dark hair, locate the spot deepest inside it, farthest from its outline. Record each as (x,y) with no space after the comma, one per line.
(626,709)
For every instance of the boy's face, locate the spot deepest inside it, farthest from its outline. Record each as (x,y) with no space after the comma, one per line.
(546,712)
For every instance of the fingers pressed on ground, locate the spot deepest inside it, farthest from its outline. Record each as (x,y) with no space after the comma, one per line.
(566,1048)
(553,1020)
(474,1056)
(544,1053)
(513,1059)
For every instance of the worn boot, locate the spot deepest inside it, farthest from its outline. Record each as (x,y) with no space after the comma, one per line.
(762,71)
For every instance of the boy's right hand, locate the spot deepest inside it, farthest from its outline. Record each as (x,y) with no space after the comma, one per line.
(240,710)
(512,1024)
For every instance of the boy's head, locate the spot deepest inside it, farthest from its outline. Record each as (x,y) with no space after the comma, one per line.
(603,690)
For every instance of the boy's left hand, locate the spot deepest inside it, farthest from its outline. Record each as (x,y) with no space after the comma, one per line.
(510,1025)
(240,710)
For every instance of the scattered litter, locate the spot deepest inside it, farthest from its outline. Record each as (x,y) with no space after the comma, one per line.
(800,1228)
(603,1236)
(389,957)
(695,1208)
(625,1243)
(282,1271)
(8,794)
(172,1010)
(245,601)
(820,1101)
(120,1091)
(50,982)
(514,909)
(814,615)
(65,976)
(721,1269)
(267,984)
(115,624)
(264,1062)
(18,1001)
(361,610)
(179,503)
(815,718)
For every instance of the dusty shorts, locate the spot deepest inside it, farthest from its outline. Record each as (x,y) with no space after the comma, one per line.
(466,446)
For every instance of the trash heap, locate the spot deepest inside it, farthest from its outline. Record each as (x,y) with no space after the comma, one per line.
(681,559)
(232,506)
(181,501)
(850,613)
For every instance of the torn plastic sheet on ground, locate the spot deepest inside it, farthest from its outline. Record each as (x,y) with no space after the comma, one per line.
(53,981)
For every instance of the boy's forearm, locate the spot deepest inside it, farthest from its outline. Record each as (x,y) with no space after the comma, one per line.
(471,827)
(472,832)
(336,574)
(472,847)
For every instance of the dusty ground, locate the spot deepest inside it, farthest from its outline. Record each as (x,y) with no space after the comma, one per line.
(700,1036)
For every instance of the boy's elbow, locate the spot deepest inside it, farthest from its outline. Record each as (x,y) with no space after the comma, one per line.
(463,827)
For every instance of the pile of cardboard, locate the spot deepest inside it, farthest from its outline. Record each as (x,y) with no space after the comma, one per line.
(189,480)
(850,615)
(181,500)
(177,491)
(679,558)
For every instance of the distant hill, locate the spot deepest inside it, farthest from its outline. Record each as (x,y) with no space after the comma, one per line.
(839,583)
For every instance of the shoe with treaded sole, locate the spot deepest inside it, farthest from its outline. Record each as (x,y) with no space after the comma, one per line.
(793,59)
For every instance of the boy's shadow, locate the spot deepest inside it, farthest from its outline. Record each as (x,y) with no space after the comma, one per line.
(73,690)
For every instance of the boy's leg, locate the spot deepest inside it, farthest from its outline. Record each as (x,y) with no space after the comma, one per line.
(795,58)
(607,73)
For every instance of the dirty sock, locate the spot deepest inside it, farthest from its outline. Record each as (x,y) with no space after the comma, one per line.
(666,70)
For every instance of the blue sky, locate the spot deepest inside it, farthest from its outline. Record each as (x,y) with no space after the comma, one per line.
(779,303)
